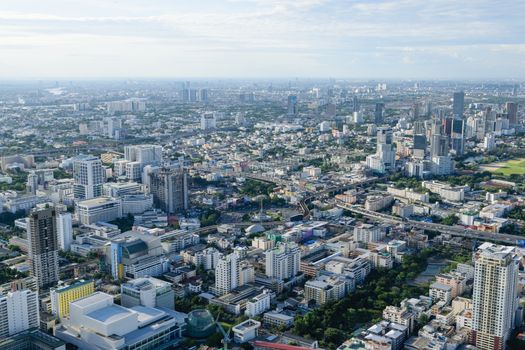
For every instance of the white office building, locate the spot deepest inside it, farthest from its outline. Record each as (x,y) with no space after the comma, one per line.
(103,209)
(89,177)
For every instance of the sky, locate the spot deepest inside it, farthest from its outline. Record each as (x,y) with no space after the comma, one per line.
(404,39)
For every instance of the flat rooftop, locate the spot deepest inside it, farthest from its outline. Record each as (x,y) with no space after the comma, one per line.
(110,314)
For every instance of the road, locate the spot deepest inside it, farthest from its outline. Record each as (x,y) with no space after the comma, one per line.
(452,230)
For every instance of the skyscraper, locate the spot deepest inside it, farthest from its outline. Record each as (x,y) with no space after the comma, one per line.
(458,104)
(378,113)
(385,157)
(89,177)
(227,274)
(512,112)
(355,104)
(292,105)
(495,296)
(457,138)
(169,188)
(43,245)
(283,261)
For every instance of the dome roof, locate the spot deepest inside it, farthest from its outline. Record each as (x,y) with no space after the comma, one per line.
(200,323)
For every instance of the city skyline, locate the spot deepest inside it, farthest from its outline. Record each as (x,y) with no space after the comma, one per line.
(276,38)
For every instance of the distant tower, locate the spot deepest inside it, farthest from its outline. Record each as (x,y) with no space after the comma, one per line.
(292,105)
(43,246)
(458,104)
(378,113)
(32,183)
(512,112)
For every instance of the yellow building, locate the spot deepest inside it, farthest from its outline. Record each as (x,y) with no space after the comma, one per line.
(62,296)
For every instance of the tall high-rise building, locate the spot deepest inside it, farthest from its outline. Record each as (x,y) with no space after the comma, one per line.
(458,104)
(495,296)
(355,104)
(227,274)
(18,312)
(89,177)
(292,105)
(32,183)
(378,113)
(283,261)
(512,112)
(43,246)
(457,138)
(385,157)
(64,231)
(203,95)
(169,188)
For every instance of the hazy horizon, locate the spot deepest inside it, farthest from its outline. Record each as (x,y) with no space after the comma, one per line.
(262,39)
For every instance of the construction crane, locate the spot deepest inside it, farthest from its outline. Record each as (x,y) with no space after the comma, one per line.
(226,339)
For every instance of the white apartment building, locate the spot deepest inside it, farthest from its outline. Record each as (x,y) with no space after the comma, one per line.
(283,261)
(18,312)
(227,274)
(64,231)
(366,233)
(495,296)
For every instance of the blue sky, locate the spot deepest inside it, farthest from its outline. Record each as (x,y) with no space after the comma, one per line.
(443,39)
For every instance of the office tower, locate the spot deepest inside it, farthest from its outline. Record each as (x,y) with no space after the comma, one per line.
(43,246)
(378,113)
(419,127)
(88,175)
(494,296)
(512,112)
(185,95)
(415,110)
(32,183)
(208,121)
(429,108)
(64,231)
(420,146)
(355,104)
(134,171)
(283,261)
(457,139)
(458,104)
(227,274)
(62,296)
(385,157)
(292,105)
(18,312)
(169,188)
(203,95)
(439,145)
